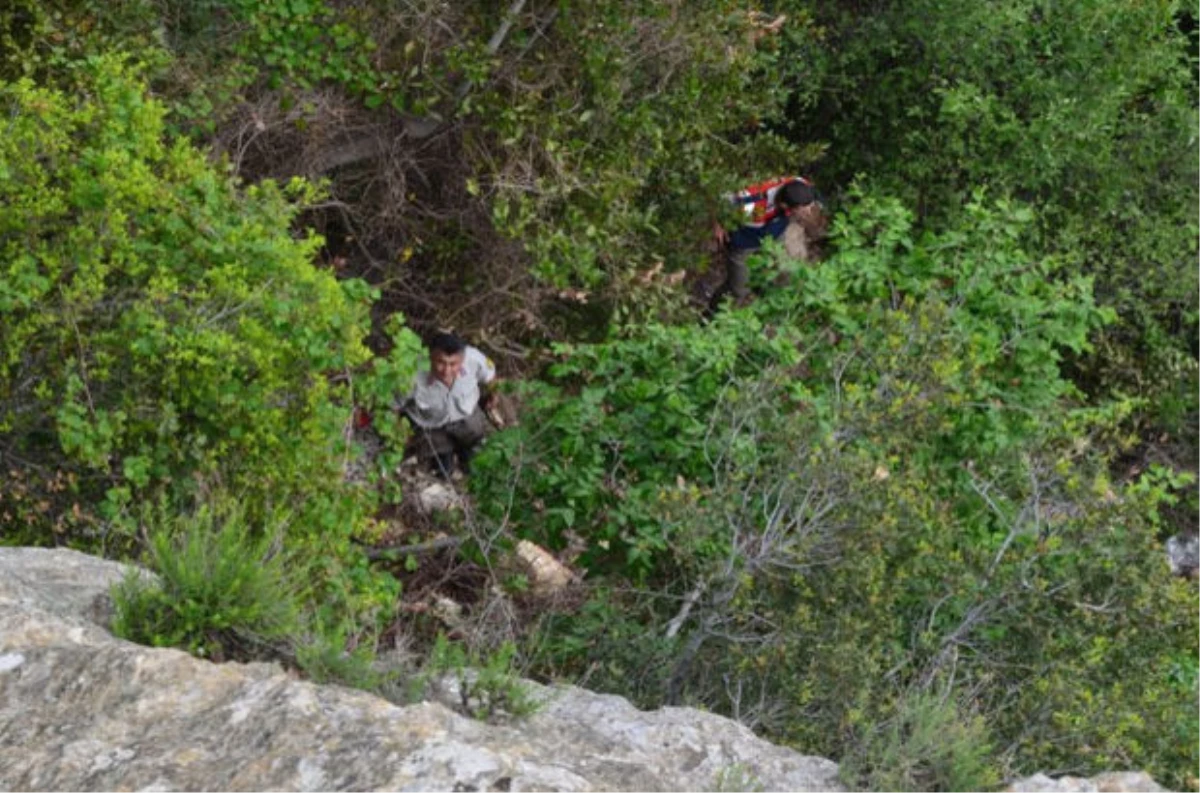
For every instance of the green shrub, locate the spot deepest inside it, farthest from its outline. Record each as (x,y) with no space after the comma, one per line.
(927,745)
(488,688)
(980,325)
(166,335)
(48,40)
(321,652)
(222,590)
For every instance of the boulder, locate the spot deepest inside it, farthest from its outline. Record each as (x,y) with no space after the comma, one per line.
(547,575)
(1183,554)
(82,710)
(438,497)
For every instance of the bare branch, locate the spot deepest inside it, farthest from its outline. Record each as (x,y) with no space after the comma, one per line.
(432,546)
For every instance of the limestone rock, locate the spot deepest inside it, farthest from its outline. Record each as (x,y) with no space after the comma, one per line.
(438,497)
(546,574)
(1183,554)
(81,710)
(1116,782)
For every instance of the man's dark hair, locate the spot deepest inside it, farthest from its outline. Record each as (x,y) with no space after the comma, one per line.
(795,194)
(446,344)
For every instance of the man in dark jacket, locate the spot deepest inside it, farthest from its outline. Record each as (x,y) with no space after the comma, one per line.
(768,208)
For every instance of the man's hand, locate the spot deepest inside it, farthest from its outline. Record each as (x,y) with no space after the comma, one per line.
(490,407)
(720,235)
(487,396)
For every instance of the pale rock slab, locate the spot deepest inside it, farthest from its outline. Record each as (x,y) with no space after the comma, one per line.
(1113,782)
(82,710)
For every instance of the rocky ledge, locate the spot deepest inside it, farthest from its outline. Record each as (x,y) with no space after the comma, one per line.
(83,710)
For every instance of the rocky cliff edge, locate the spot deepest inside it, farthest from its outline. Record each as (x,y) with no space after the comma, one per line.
(83,710)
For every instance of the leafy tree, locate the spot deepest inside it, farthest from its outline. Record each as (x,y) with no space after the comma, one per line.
(1085,111)
(46,41)
(164,334)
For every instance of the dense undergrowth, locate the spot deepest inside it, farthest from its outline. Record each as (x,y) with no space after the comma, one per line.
(847,500)
(905,510)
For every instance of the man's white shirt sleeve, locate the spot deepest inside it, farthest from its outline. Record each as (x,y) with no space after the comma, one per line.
(479,366)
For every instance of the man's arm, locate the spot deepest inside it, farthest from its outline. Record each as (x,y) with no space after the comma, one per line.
(724,208)
(720,235)
(484,371)
(403,405)
(487,393)
(487,380)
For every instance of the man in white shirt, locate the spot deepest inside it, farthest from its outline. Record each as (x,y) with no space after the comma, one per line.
(446,405)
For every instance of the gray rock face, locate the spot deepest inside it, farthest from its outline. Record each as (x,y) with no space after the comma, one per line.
(82,710)
(1117,782)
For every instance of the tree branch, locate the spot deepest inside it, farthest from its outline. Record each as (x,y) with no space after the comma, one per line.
(439,544)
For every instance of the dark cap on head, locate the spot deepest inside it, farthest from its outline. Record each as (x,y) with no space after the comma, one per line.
(447,344)
(795,194)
